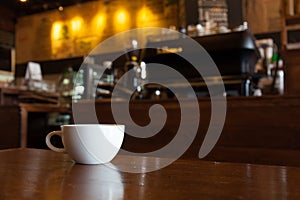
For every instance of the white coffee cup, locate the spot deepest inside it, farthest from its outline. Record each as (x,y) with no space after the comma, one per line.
(89,143)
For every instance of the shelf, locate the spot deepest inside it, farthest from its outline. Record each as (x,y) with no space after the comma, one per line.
(293,46)
(106,85)
(104,90)
(292,20)
(288,23)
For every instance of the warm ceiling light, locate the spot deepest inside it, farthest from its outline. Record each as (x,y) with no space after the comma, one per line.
(57,30)
(61,8)
(23,1)
(121,17)
(76,23)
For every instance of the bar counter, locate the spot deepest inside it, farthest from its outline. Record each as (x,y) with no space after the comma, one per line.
(43,174)
(259,130)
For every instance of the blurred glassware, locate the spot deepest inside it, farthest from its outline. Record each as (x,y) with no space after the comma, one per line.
(65,88)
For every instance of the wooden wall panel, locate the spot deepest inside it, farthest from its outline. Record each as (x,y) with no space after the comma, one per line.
(7,20)
(292,64)
(263,16)
(10,127)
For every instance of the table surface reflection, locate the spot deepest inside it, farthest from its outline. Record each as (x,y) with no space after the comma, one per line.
(43,174)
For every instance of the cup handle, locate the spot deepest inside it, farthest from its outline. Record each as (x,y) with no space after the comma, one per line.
(48,142)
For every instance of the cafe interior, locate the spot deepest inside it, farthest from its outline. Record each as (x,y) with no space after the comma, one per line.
(212,82)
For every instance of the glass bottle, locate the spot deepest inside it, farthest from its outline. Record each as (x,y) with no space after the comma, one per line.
(65,88)
(108,75)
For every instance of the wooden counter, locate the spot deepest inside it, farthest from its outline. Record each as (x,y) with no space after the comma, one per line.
(264,130)
(16,95)
(257,129)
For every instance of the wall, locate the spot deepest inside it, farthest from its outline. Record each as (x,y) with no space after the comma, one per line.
(263,16)
(7,29)
(78,29)
(292,71)
(7,20)
(235,13)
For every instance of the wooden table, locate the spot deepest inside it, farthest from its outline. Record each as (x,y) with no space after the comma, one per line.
(43,174)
